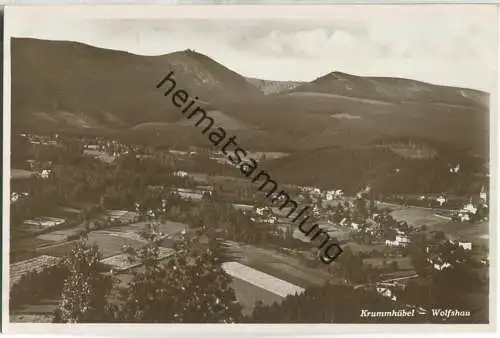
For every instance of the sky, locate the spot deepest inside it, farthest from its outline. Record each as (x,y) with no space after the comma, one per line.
(449,45)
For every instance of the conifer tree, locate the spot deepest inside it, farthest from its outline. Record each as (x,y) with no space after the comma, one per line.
(85,290)
(191,287)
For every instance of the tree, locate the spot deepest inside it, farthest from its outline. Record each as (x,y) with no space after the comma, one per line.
(190,287)
(34,286)
(84,293)
(351,268)
(372,207)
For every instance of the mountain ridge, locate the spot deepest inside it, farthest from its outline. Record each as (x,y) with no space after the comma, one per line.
(77,86)
(393,89)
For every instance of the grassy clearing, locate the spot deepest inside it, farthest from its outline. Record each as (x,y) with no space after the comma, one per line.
(57,250)
(26,248)
(285,267)
(476,233)
(30,318)
(359,247)
(404,263)
(261,279)
(417,216)
(60,235)
(198,177)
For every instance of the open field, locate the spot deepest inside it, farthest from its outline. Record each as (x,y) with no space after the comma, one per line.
(190,195)
(252,285)
(99,155)
(299,275)
(70,210)
(198,177)
(110,241)
(418,216)
(56,236)
(334,231)
(26,248)
(267,155)
(111,245)
(58,250)
(42,309)
(476,233)
(285,267)
(169,227)
(121,215)
(243,207)
(359,247)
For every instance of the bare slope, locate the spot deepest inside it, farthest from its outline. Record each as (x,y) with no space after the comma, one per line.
(98,87)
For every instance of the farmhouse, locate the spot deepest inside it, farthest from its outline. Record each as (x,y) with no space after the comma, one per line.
(92,146)
(399,241)
(441,200)
(45,173)
(386,292)
(15,196)
(441,266)
(465,245)
(467,211)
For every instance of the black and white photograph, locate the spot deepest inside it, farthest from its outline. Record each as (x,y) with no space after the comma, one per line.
(223,164)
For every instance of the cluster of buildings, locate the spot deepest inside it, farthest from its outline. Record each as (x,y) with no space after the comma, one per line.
(110,147)
(264,215)
(45,173)
(180,173)
(438,259)
(182,153)
(48,140)
(317,193)
(400,241)
(475,208)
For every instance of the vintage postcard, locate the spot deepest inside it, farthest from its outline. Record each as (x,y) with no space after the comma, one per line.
(173,165)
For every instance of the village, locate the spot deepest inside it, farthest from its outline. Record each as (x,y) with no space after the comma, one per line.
(273,259)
